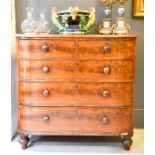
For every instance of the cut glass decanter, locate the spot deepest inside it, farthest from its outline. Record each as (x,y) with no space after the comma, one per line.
(43,26)
(29,25)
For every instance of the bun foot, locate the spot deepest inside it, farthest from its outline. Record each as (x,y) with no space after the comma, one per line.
(127,144)
(24,140)
(127,141)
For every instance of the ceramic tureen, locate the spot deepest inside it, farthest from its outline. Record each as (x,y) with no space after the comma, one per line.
(73,20)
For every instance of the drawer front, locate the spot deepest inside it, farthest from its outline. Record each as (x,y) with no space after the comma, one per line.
(65,120)
(76,69)
(106,49)
(75,94)
(46,48)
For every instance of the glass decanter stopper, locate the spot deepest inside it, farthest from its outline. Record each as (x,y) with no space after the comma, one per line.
(29,25)
(43,26)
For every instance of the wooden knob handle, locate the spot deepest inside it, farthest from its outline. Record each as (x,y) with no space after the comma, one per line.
(45,69)
(45,118)
(45,48)
(106,70)
(105,120)
(106,48)
(45,93)
(106,93)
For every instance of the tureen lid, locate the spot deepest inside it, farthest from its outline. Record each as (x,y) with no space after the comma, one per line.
(71,10)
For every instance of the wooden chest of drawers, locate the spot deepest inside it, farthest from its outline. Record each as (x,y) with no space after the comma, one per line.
(76,85)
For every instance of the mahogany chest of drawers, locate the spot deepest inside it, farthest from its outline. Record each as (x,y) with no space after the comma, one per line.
(76,85)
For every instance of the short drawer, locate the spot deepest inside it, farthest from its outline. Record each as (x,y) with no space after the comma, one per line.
(46,48)
(112,48)
(76,69)
(75,93)
(75,120)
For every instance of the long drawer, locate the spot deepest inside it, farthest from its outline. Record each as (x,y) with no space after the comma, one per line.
(110,48)
(46,48)
(76,69)
(75,93)
(75,121)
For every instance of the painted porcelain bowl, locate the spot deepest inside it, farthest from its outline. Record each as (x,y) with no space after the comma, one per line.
(73,20)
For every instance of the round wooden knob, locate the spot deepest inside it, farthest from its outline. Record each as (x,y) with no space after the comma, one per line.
(106,70)
(106,93)
(45,48)
(45,69)
(106,49)
(105,120)
(45,93)
(45,118)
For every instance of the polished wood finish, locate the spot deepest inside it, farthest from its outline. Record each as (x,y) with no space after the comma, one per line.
(76,85)
(76,69)
(98,50)
(75,119)
(75,93)
(46,48)
(71,37)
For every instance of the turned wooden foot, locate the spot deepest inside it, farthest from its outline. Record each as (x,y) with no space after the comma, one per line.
(24,140)
(127,142)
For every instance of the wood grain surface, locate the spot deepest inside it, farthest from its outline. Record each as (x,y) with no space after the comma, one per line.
(75,94)
(95,49)
(76,69)
(72,120)
(56,48)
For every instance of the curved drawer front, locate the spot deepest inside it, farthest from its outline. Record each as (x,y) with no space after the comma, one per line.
(116,48)
(67,120)
(75,94)
(76,69)
(46,48)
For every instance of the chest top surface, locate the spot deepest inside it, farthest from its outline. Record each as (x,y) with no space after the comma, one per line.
(76,36)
